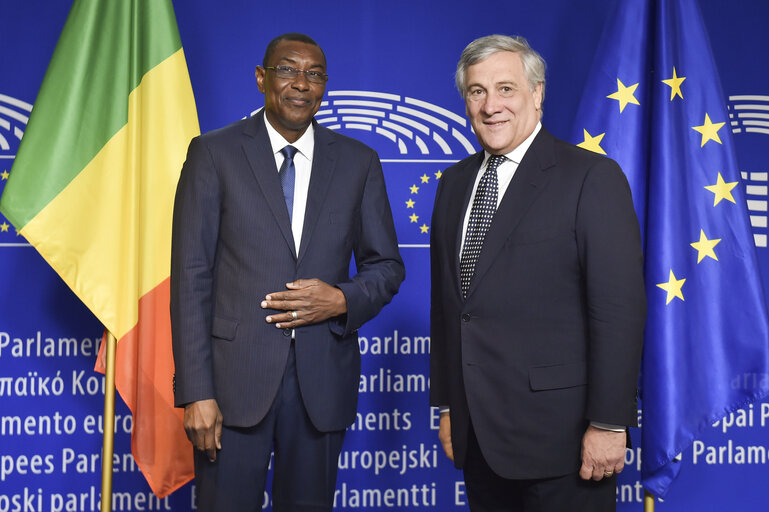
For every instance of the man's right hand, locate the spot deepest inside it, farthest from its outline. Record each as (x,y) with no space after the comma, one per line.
(203,424)
(444,434)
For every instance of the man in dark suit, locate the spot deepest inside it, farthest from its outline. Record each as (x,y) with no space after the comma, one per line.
(268,214)
(538,300)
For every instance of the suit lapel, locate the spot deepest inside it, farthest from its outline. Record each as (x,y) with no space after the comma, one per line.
(528,182)
(256,145)
(323,164)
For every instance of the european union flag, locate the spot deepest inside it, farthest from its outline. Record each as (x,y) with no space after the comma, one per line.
(653,103)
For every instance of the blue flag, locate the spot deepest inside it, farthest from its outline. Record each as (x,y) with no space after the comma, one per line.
(653,102)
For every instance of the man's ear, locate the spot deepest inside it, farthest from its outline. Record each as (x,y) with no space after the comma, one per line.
(538,96)
(260,74)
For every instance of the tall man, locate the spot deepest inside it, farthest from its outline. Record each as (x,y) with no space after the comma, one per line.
(538,300)
(268,214)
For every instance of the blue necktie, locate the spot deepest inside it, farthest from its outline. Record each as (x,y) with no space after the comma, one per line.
(287,175)
(481,214)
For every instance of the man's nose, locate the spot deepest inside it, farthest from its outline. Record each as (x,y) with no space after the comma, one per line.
(491,104)
(300,82)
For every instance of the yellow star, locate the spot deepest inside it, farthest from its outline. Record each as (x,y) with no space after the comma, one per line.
(414,189)
(709,130)
(438,175)
(675,85)
(722,190)
(414,217)
(425,178)
(424,228)
(4,227)
(410,204)
(624,95)
(593,143)
(4,175)
(705,247)
(673,287)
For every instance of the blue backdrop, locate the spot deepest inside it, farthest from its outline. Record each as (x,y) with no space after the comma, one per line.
(391,85)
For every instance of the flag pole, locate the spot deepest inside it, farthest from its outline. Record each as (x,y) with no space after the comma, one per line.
(648,501)
(108,445)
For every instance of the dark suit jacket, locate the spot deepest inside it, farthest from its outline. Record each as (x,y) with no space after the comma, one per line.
(549,337)
(232,244)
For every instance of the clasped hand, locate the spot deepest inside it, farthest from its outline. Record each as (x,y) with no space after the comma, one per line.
(307,301)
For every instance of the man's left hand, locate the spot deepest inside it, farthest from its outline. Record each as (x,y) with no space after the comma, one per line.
(307,301)
(603,453)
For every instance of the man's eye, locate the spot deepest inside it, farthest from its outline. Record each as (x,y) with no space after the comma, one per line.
(287,69)
(314,74)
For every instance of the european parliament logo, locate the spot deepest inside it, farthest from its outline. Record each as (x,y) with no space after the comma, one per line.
(749,114)
(14,115)
(416,140)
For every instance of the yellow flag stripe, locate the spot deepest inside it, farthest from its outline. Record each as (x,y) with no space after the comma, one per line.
(122,201)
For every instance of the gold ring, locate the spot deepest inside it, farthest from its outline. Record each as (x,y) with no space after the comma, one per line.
(294,315)
(608,473)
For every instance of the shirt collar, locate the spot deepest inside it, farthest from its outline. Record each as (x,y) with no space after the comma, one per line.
(516,155)
(304,144)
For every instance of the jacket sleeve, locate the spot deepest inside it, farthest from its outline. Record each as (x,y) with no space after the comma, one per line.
(609,245)
(439,393)
(193,251)
(380,269)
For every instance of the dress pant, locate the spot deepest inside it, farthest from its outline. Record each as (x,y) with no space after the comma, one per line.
(305,461)
(489,492)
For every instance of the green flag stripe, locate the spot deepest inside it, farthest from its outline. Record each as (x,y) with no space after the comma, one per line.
(105,49)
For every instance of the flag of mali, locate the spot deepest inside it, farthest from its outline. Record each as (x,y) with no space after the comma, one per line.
(92,189)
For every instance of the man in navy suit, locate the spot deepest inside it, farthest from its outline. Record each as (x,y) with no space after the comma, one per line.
(538,301)
(269,212)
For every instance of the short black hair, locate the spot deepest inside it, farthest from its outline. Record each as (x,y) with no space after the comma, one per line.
(290,36)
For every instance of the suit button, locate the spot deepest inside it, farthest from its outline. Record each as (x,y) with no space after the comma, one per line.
(466,317)
(286,332)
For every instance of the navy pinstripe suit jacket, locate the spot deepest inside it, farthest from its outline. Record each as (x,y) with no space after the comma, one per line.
(232,244)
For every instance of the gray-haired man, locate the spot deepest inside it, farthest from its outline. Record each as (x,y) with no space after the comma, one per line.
(538,300)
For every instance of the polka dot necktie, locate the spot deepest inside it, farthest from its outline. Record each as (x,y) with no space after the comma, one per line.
(287,174)
(481,215)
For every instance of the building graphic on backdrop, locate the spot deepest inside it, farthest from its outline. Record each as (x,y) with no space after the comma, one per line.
(14,115)
(417,140)
(749,114)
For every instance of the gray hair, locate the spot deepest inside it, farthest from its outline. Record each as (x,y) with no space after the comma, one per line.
(482,48)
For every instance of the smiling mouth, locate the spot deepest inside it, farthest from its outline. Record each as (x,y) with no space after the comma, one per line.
(298,102)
